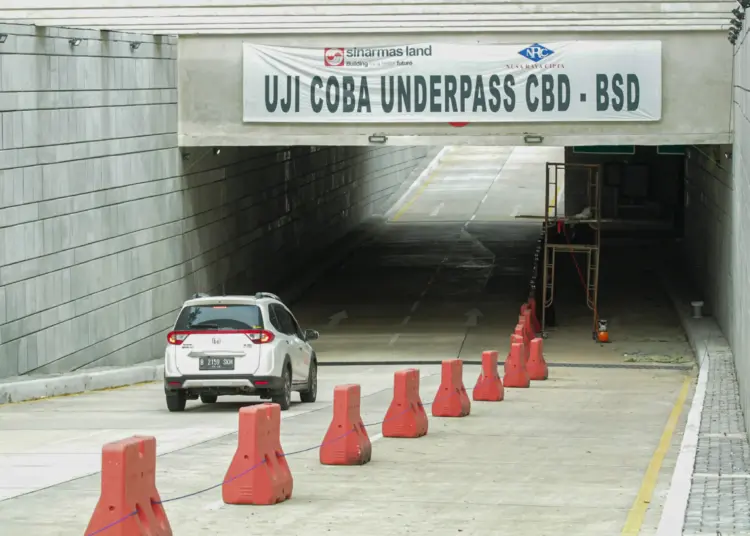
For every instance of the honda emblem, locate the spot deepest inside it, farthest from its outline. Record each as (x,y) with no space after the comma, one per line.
(216,340)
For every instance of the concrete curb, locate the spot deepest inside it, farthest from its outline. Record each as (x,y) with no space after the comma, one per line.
(699,333)
(68,384)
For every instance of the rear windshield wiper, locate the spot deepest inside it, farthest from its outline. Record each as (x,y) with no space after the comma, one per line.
(204,326)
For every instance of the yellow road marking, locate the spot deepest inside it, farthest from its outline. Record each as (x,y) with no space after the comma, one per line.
(416,195)
(637,513)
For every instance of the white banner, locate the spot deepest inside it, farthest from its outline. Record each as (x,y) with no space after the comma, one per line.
(439,82)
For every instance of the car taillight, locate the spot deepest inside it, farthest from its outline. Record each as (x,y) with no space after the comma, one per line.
(176,337)
(260,336)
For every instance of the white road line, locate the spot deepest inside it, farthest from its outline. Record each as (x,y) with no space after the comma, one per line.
(376,437)
(437,209)
(675,505)
(484,198)
(415,306)
(405,320)
(394,339)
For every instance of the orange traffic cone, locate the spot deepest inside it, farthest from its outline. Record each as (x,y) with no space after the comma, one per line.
(515,368)
(537,366)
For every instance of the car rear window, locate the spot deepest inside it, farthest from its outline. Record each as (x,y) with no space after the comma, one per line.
(218,316)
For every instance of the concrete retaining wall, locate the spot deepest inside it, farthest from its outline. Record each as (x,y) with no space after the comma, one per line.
(717,234)
(106,226)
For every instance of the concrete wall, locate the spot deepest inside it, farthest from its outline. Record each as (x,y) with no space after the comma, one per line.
(695,109)
(106,226)
(717,234)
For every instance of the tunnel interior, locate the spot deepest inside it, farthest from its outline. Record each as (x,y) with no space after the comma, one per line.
(422,254)
(393,248)
(451,267)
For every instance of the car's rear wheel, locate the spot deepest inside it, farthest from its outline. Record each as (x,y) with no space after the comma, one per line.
(209,399)
(311,393)
(284,397)
(176,401)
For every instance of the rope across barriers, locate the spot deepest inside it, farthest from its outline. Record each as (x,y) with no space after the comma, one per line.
(285,455)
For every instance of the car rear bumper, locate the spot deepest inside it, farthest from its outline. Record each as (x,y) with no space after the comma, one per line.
(229,381)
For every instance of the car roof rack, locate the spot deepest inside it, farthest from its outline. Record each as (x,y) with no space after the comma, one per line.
(261,295)
(200,295)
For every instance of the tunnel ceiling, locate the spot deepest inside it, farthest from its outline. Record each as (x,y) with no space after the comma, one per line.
(175,17)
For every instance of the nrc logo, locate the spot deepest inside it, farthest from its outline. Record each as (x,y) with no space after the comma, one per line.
(536,52)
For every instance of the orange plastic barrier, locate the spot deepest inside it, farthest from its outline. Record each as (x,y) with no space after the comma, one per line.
(451,400)
(537,366)
(489,387)
(129,486)
(516,374)
(530,323)
(515,338)
(259,472)
(406,416)
(534,318)
(346,442)
(520,332)
(525,321)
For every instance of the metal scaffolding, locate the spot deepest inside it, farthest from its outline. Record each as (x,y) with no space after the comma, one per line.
(554,223)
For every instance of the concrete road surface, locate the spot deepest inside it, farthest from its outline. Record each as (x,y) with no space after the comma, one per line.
(586,453)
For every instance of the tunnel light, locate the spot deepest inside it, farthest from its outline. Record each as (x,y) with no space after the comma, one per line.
(74,42)
(3,38)
(217,151)
(532,138)
(134,45)
(378,138)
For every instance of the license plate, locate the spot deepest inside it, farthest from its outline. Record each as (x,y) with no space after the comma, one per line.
(216,363)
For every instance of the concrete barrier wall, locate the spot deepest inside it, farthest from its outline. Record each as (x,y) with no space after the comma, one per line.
(717,234)
(106,226)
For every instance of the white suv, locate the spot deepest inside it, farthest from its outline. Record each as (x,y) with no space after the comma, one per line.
(238,345)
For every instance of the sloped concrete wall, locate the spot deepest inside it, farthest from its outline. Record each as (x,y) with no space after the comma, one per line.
(106,226)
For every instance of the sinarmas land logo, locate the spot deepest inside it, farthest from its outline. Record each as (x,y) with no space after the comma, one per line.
(333,57)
